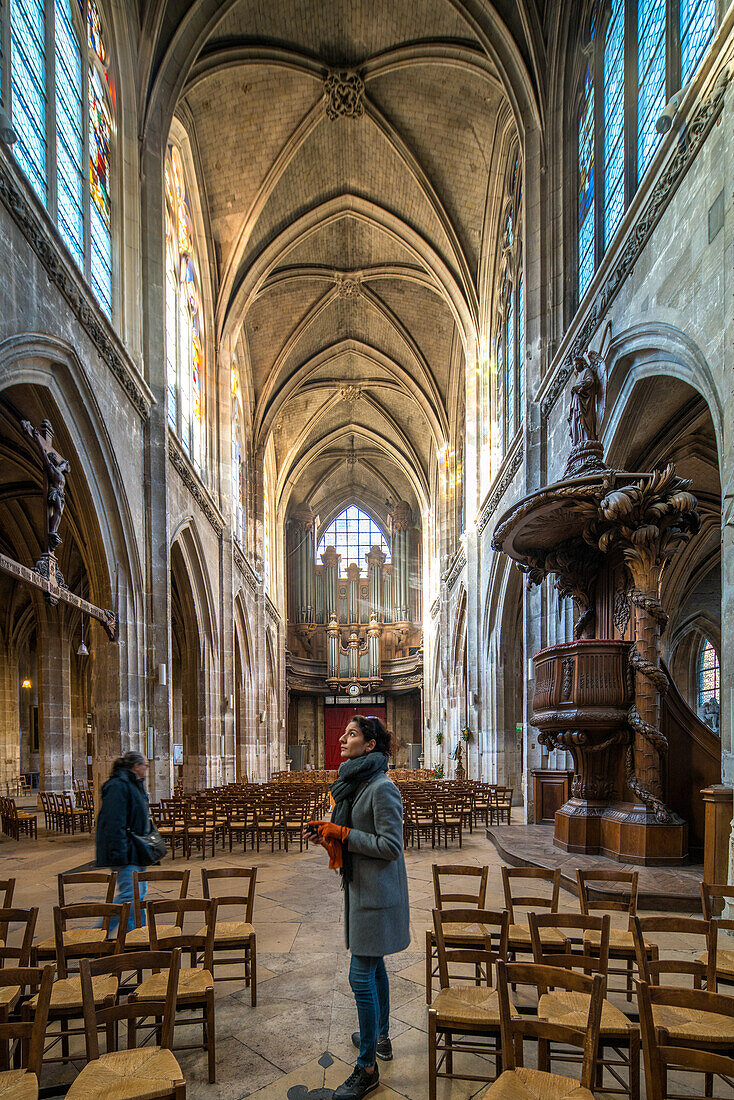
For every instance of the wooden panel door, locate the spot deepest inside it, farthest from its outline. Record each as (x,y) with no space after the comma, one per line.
(336,720)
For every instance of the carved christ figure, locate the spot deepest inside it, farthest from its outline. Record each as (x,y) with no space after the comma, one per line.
(582,418)
(56,468)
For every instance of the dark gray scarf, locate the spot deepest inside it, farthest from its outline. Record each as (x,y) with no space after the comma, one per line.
(353,775)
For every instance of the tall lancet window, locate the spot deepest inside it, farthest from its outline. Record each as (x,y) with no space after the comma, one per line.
(633,56)
(510,331)
(184,329)
(59,91)
(238,460)
(353,534)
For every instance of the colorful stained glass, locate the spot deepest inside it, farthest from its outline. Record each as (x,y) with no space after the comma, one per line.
(709,673)
(508,231)
(614,121)
(28,84)
(586,184)
(501,390)
(697,25)
(650,78)
(69,134)
(99,147)
(237,475)
(509,379)
(353,533)
(520,344)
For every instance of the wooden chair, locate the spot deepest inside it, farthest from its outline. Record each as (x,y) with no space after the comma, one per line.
(146,1072)
(269,823)
(196,984)
(713,897)
(518,1081)
(462,876)
(234,935)
(468,1011)
(294,822)
(449,822)
(22,1040)
(503,805)
(46,949)
(619,1037)
(526,878)
(241,824)
(138,939)
(18,925)
(201,828)
(7,889)
(66,1003)
(671,1020)
(621,940)
(651,967)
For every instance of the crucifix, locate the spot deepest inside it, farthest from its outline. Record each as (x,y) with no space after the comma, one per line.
(46,574)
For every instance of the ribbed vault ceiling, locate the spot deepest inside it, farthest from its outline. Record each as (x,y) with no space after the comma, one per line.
(347,246)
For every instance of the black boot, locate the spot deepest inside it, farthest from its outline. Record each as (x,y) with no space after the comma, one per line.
(358,1084)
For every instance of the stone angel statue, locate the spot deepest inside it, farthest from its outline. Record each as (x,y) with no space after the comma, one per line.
(588,398)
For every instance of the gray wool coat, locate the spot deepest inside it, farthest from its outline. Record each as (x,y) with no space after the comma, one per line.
(376,905)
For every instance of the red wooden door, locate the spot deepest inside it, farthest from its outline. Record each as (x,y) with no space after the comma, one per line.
(336,720)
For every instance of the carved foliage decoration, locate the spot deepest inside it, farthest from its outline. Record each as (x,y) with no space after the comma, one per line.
(344,92)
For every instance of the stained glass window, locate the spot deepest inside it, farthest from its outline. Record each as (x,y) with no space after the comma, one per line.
(697,24)
(267,550)
(520,343)
(99,183)
(353,533)
(708,685)
(184,333)
(69,133)
(614,121)
(508,229)
(28,83)
(650,78)
(509,380)
(501,391)
(237,472)
(586,184)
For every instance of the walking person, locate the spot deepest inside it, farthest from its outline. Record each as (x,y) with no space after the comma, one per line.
(364,840)
(123,815)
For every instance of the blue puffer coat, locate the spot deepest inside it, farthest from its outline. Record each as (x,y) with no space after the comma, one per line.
(125,809)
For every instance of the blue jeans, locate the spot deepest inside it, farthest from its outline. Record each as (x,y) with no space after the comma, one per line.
(368,981)
(124,892)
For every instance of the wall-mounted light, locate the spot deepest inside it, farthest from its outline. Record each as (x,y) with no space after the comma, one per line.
(162,674)
(27,685)
(82,651)
(261,716)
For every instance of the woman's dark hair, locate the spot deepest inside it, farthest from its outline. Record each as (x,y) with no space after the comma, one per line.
(128,761)
(372,729)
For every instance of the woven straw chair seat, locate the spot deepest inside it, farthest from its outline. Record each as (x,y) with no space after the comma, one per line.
(229,931)
(66,993)
(694,1024)
(9,995)
(463,933)
(142,1074)
(467,1005)
(140,937)
(534,1084)
(619,938)
(192,982)
(18,1084)
(572,1010)
(724,963)
(519,935)
(74,936)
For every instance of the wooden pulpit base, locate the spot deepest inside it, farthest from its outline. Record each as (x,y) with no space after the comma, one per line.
(620,831)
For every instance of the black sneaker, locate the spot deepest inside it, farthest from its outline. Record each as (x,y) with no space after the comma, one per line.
(358,1084)
(384,1047)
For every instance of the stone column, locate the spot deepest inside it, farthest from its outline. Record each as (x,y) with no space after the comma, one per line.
(155,460)
(10,766)
(54,703)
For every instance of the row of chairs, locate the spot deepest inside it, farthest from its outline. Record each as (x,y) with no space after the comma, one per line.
(15,822)
(465,1015)
(442,814)
(65,813)
(214,931)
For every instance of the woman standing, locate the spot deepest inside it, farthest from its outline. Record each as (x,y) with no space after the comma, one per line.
(125,811)
(365,840)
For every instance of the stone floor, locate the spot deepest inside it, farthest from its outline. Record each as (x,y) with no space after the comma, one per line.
(296,1043)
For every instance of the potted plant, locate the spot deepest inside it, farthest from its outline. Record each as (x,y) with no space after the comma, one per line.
(466,735)
(439,738)
(437,772)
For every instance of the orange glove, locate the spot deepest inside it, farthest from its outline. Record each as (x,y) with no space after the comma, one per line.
(329,831)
